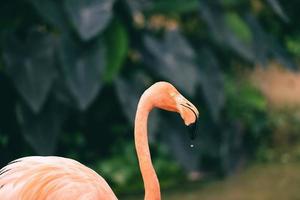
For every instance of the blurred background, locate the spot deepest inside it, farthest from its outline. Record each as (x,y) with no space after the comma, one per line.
(72,71)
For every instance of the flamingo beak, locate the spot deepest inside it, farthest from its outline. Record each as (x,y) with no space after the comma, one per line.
(193,128)
(189,114)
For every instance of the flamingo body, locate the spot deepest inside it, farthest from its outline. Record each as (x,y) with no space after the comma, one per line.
(52,178)
(57,178)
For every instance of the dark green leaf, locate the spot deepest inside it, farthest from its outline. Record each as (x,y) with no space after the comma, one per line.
(31,65)
(82,66)
(238,26)
(173,59)
(260,41)
(117,47)
(293,45)
(89,17)
(129,92)
(266,46)
(230,3)
(1,64)
(41,130)
(221,33)
(139,5)
(213,16)
(278,9)
(62,92)
(163,6)
(174,6)
(212,81)
(52,11)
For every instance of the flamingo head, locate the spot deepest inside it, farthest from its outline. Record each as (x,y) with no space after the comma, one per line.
(165,96)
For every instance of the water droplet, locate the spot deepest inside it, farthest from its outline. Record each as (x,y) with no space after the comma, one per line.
(191,145)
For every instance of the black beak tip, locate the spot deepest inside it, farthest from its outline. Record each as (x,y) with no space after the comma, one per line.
(193,130)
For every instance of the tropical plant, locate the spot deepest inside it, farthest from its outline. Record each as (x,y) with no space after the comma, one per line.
(75,69)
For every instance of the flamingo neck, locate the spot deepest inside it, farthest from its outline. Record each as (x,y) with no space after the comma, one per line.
(151,184)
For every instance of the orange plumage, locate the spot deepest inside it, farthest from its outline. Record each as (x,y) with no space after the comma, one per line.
(51,178)
(57,178)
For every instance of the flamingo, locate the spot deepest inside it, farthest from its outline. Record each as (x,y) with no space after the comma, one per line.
(57,178)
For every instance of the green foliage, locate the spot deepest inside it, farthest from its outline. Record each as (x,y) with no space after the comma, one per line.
(284,145)
(3,140)
(293,45)
(239,27)
(247,108)
(233,2)
(174,6)
(71,66)
(116,39)
(82,65)
(244,101)
(89,18)
(33,73)
(122,171)
(1,64)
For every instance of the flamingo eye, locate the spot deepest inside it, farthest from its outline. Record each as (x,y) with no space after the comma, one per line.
(172,94)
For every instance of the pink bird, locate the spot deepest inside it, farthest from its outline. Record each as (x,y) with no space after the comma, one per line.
(57,178)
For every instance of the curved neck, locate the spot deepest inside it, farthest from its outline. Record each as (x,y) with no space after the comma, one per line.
(151,184)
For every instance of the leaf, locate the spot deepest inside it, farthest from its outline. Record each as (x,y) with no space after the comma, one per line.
(293,46)
(212,81)
(41,130)
(117,47)
(62,93)
(1,64)
(89,17)
(174,6)
(163,6)
(281,55)
(138,5)
(261,44)
(232,3)
(266,46)
(238,26)
(214,16)
(275,5)
(51,11)
(173,59)
(129,91)
(31,65)
(82,65)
